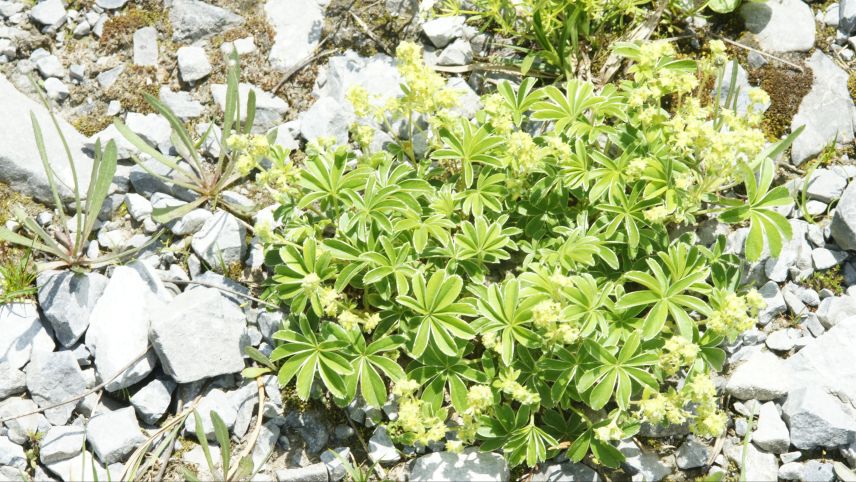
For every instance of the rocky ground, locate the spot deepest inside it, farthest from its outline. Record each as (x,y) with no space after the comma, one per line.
(790,382)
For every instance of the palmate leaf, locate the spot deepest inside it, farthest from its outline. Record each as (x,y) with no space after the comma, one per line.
(440,374)
(438,313)
(503,310)
(306,355)
(617,375)
(521,99)
(472,145)
(369,362)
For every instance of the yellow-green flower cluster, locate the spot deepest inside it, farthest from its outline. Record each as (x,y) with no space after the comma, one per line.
(668,407)
(249,149)
(416,423)
(507,382)
(734,314)
(678,352)
(426,90)
(352,321)
(523,154)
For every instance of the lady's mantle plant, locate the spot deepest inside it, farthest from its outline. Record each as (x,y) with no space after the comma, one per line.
(517,279)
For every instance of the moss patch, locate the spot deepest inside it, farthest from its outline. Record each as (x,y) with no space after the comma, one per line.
(132,85)
(91,124)
(119,30)
(786,88)
(830,279)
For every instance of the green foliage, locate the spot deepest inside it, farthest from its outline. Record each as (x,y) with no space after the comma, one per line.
(17,279)
(518,283)
(221,469)
(67,244)
(236,151)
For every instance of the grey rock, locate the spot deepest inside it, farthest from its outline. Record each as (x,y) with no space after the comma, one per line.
(242,46)
(818,419)
(153,400)
(195,20)
(783,340)
(333,460)
(152,128)
(221,241)
(109,77)
(774,300)
(118,329)
(442,30)
(827,111)
(834,309)
(18,147)
(199,335)
(830,15)
(56,89)
(138,206)
(469,465)
(146,47)
(191,222)
(816,471)
(310,473)
(12,454)
(381,448)
(12,381)
(377,74)
(843,226)
(298,25)
(265,102)
(311,427)
(692,454)
(644,465)
(826,258)
(742,85)
(53,378)
(847,17)
(218,280)
(791,471)
(111,4)
(828,362)
(193,63)
(326,117)
(761,377)
(216,401)
(49,13)
(459,52)
(61,443)
(759,465)
(79,468)
(771,434)
(182,104)
(825,185)
(265,443)
(114,435)
(780,26)
(197,457)
(50,66)
(20,429)
(67,300)
(566,472)
(22,334)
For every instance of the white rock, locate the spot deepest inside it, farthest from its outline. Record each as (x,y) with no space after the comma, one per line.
(265,443)
(442,30)
(111,4)
(153,400)
(53,378)
(791,471)
(21,428)
(152,128)
(818,419)
(243,46)
(50,66)
(774,300)
(118,331)
(828,362)
(200,334)
(221,241)
(646,466)
(692,454)
(783,340)
(107,78)
(377,74)
(191,222)
(79,468)
(194,20)
(193,63)
(381,448)
(12,454)
(780,25)
(18,147)
(761,377)
(56,89)
(61,443)
(759,465)
(470,465)
(268,106)
(826,258)
(825,185)
(12,381)
(22,334)
(834,309)
(827,111)
(843,226)
(325,118)
(114,435)
(298,25)
(67,299)
(566,472)
(215,401)
(146,47)
(458,52)
(181,104)
(138,206)
(49,13)
(771,433)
